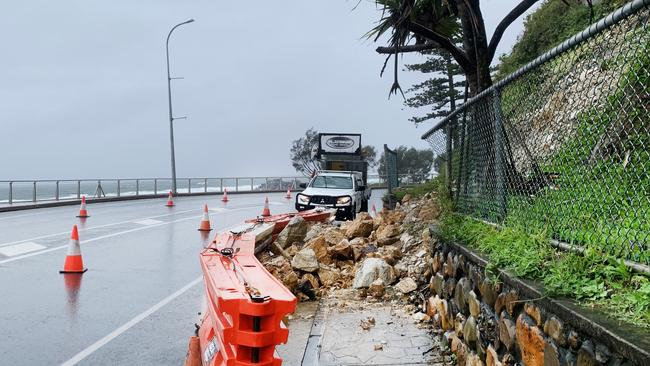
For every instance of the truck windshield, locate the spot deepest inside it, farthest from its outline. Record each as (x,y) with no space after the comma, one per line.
(323,181)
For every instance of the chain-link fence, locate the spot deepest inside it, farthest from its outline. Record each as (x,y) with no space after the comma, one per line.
(563,144)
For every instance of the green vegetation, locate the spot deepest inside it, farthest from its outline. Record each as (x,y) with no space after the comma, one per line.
(419,190)
(602,185)
(596,279)
(551,24)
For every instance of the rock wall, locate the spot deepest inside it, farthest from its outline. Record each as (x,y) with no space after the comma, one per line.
(511,322)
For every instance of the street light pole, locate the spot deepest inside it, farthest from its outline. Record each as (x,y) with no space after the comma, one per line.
(171,116)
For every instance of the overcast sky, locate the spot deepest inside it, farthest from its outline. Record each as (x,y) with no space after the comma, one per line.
(84,92)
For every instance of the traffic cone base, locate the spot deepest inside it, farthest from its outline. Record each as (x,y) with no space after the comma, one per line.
(225,196)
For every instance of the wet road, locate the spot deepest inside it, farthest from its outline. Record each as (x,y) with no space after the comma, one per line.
(139,299)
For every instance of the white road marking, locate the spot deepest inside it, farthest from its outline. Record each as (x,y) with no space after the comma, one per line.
(148,222)
(108,236)
(91,228)
(17,249)
(126,326)
(218,209)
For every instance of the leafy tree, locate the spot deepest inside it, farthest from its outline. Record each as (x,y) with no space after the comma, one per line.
(369,154)
(433,24)
(441,92)
(410,161)
(552,23)
(302,150)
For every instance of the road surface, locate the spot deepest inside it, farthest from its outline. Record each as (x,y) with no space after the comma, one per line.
(139,299)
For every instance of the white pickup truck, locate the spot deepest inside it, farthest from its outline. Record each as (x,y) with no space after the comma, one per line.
(343,190)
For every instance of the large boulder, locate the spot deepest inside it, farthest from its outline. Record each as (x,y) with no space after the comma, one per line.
(372,269)
(320,247)
(342,250)
(333,236)
(313,232)
(295,231)
(362,226)
(305,260)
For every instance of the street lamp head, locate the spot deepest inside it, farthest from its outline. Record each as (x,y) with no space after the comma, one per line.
(189,21)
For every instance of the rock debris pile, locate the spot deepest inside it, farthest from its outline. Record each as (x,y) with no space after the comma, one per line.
(384,258)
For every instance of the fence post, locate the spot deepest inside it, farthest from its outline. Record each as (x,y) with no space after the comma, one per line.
(189,185)
(448,153)
(221,185)
(56,193)
(236,184)
(155,186)
(252,183)
(118,187)
(137,187)
(34,192)
(205,185)
(11,193)
(498,152)
(78,189)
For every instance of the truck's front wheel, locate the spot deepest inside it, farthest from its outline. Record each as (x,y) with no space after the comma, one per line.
(364,205)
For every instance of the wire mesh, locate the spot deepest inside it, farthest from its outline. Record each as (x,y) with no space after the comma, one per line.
(563,146)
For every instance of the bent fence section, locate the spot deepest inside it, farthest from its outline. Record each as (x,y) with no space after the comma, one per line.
(563,144)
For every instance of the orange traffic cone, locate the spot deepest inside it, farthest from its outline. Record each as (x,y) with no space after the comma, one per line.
(374,210)
(225,195)
(266,211)
(170,200)
(193,357)
(205,220)
(288,195)
(82,210)
(73,262)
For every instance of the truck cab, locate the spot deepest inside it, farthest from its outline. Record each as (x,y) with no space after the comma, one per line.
(343,190)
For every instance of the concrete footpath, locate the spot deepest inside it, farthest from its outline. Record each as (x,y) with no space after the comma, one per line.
(344,330)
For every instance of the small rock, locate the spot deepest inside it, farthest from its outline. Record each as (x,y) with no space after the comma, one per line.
(492,358)
(377,288)
(367,323)
(586,354)
(313,281)
(474,304)
(488,293)
(507,300)
(470,331)
(437,284)
(534,312)
(555,329)
(473,360)
(328,275)
(574,340)
(305,260)
(419,317)
(379,347)
(406,285)
(602,353)
(530,340)
(507,333)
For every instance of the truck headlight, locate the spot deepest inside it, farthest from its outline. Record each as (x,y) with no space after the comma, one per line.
(343,200)
(302,199)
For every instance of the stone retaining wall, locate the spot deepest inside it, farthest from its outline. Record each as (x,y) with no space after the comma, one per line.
(510,322)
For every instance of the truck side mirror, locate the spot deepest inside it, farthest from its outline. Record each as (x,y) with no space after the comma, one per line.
(302,185)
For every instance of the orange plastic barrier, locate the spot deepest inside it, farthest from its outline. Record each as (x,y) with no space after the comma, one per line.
(245,305)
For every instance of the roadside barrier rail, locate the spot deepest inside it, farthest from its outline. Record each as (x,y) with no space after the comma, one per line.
(42,190)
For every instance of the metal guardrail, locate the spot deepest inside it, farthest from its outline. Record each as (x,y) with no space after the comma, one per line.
(25,191)
(563,144)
